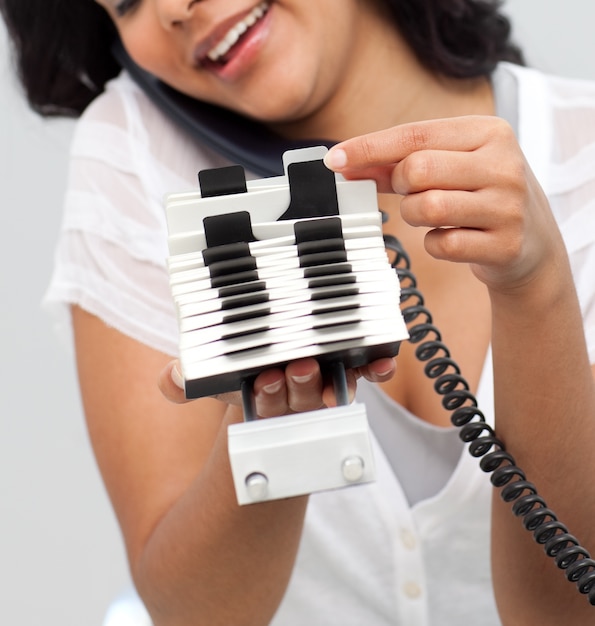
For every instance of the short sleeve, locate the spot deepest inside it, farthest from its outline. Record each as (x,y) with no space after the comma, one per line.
(111,254)
(571,186)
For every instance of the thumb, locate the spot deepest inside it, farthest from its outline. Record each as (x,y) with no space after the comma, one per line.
(171,383)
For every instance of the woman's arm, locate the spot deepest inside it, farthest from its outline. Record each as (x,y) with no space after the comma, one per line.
(545,413)
(196,556)
(466,181)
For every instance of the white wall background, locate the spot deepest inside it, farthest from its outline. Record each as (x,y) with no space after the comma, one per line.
(61,558)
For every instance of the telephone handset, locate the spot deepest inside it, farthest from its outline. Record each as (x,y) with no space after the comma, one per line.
(249,143)
(259,150)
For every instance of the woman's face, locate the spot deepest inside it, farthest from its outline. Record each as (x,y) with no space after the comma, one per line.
(275,60)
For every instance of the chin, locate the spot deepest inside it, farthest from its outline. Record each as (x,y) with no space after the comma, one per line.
(289,109)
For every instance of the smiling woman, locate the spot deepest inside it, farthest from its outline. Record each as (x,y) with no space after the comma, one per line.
(484,170)
(217,54)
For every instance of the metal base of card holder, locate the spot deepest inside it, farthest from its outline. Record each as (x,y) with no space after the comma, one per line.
(294,455)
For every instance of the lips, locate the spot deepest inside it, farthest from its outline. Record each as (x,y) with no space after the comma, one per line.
(218,48)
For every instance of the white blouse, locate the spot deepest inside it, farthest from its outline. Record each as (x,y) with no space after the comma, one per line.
(395,552)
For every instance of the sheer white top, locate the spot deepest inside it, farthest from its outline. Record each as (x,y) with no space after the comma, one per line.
(400,551)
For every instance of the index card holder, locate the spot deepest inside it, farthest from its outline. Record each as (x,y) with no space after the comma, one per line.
(268,271)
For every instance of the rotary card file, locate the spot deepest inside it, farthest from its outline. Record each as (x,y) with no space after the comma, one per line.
(268,271)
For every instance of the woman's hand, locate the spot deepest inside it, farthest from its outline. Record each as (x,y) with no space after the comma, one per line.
(299,387)
(467,180)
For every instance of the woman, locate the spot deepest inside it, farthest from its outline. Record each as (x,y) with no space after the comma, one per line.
(422,100)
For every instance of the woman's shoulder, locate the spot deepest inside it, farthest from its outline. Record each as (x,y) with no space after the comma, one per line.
(124,123)
(123,105)
(105,130)
(556,126)
(567,103)
(568,88)
(110,106)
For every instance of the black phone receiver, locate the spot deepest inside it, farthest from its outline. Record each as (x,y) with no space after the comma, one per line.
(239,139)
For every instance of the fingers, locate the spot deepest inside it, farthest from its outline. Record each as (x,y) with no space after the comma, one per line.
(303,387)
(456,153)
(440,169)
(390,146)
(378,371)
(171,383)
(298,388)
(172,386)
(464,179)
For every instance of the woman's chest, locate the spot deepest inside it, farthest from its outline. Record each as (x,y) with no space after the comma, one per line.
(458,306)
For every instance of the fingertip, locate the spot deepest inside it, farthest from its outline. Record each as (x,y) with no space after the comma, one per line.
(171,383)
(335,159)
(176,376)
(382,369)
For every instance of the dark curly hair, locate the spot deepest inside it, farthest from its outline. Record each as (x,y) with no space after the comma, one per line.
(63,47)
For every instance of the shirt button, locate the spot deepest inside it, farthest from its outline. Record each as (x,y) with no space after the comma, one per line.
(408,539)
(412,590)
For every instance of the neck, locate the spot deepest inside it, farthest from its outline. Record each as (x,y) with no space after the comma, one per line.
(386,86)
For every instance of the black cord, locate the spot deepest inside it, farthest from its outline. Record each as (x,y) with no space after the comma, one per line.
(516,490)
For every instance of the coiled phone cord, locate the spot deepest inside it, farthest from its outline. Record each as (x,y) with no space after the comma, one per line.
(516,490)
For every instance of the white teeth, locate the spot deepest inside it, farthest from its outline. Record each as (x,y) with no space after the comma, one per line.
(237,31)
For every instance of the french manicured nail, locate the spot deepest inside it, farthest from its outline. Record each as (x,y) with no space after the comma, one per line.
(335,159)
(176,376)
(273,387)
(300,380)
(385,372)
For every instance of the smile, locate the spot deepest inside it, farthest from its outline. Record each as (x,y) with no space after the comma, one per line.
(233,35)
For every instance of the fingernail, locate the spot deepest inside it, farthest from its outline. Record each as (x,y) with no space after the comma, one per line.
(335,159)
(300,380)
(273,387)
(386,371)
(177,377)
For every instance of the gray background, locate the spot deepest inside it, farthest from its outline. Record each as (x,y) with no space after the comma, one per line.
(61,557)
